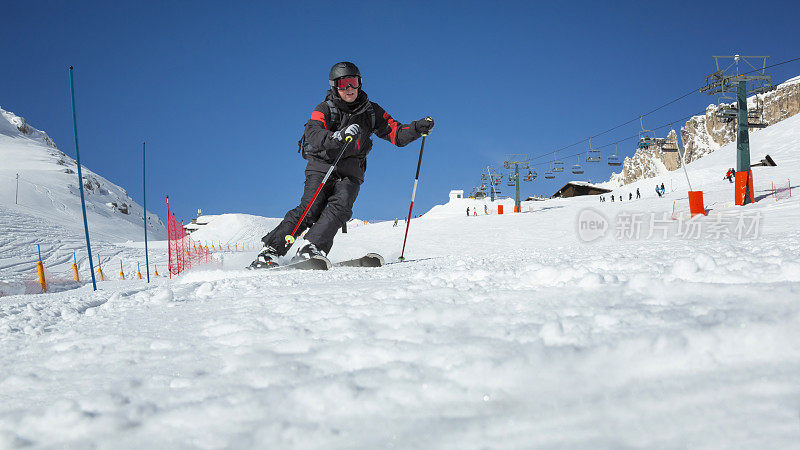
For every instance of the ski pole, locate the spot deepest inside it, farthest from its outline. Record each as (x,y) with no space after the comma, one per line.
(290,237)
(413,194)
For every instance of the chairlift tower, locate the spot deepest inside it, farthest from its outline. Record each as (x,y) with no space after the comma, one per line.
(727,79)
(518,161)
(491,175)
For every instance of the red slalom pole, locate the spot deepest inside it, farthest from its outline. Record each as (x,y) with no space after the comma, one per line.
(290,237)
(413,194)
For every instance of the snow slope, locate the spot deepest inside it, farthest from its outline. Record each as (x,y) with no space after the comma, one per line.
(46,209)
(503,332)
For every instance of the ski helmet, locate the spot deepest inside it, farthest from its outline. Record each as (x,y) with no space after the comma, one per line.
(343,69)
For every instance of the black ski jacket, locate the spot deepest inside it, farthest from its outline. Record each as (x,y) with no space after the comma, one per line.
(324,148)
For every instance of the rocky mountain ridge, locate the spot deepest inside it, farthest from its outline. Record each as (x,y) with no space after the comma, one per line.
(704,134)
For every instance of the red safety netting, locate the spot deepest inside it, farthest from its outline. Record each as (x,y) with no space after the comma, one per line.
(183,252)
(782,191)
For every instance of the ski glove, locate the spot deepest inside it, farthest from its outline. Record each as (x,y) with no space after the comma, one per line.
(351,130)
(424,125)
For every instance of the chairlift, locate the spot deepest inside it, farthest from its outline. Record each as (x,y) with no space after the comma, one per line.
(728,109)
(613,159)
(558,166)
(530,176)
(644,136)
(755,116)
(670,145)
(592,155)
(549,175)
(576,168)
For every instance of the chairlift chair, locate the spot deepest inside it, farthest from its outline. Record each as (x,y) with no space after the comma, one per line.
(592,155)
(530,176)
(670,145)
(728,109)
(613,159)
(644,136)
(549,175)
(755,116)
(576,168)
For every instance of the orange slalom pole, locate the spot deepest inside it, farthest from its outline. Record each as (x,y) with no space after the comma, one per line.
(40,269)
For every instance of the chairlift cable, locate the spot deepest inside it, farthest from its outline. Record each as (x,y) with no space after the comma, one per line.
(657,109)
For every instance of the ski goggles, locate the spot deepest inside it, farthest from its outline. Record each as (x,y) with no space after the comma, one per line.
(344,83)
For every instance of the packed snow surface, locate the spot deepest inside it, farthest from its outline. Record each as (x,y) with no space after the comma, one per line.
(502,331)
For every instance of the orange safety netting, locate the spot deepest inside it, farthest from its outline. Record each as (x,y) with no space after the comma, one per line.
(183,252)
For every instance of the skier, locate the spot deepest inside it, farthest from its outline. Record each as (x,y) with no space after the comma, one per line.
(638,195)
(663,190)
(485,209)
(345,120)
(658,191)
(612,198)
(395,222)
(630,196)
(467,211)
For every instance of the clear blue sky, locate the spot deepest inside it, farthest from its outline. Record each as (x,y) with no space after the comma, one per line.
(221,90)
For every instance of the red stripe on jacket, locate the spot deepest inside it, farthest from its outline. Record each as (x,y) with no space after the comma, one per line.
(392,126)
(318,115)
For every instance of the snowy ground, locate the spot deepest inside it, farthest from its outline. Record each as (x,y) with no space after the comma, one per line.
(506,332)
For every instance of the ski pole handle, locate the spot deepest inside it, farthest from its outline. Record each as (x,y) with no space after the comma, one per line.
(429,119)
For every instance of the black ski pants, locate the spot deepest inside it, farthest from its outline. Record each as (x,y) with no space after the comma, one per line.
(332,208)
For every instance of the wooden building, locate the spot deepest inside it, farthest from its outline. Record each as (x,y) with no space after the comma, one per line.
(576,188)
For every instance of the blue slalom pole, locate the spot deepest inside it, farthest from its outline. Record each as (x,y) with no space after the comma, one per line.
(39,249)
(80,177)
(144,201)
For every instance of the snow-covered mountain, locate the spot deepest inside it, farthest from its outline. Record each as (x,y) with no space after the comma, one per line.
(704,134)
(42,206)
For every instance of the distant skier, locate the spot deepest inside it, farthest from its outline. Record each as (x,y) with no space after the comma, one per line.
(730,174)
(612,198)
(638,195)
(467,211)
(658,191)
(630,196)
(485,209)
(395,222)
(345,118)
(662,189)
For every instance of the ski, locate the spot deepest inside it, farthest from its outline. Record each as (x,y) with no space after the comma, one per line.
(368,260)
(314,263)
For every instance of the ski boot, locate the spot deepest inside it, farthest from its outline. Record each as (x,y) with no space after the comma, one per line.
(309,251)
(265,259)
